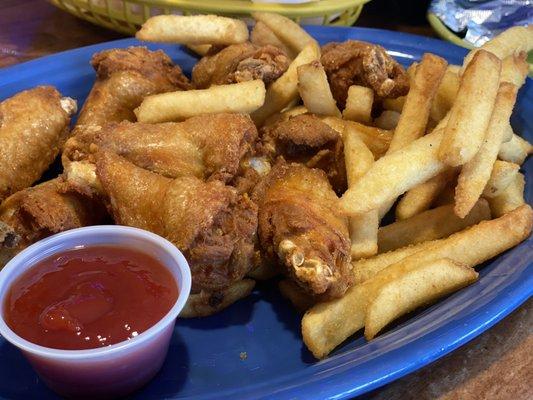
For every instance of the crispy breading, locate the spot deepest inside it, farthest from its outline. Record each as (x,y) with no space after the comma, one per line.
(124,78)
(37,212)
(34,125)
(239,63)
(360,63)
(209,222)
(306,139)
(207,146)
(301,227)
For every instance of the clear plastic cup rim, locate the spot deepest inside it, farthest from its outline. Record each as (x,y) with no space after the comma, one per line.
(46,247)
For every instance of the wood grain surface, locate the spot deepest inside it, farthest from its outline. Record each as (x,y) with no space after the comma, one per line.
(496,365)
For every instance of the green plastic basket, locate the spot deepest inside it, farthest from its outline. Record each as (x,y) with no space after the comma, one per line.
(450,36)
(127,16)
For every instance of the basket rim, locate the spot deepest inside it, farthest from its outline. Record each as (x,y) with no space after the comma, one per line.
(239,6)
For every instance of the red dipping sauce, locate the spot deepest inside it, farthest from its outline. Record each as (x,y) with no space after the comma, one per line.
(89,297)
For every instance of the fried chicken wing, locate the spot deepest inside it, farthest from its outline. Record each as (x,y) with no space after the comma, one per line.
(304,138)
(124,78)
(209,222)
(300,226)
(34,125)
(360,63)
(209,147)
(37,212)
(239,63)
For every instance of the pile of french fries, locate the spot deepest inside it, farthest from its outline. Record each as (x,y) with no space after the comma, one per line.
(445,152)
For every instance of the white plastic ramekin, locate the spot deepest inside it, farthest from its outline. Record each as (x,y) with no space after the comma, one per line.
(109,371)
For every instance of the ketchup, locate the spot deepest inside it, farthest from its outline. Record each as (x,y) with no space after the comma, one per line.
(89,297)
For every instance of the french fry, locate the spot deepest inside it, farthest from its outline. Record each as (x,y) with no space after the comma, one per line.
(471,112)
(454,69)
(502,175)
(200,49)
(262,35)
(507,134)
(326,325)
(296,295)
(394,104)
(193,30)
(364,227)
(511,41)
(471,246)
(314,90)
(510,199)
(415,112)
(244,97)
(377,140)
(285,89)
(429,225)
(359,104)
(288,31)
(416,288)
(515,69)
(446,94)
(447,196)
(476,173)
(387,120)
(515,150)
(199,304)
(394,174)
(421,197)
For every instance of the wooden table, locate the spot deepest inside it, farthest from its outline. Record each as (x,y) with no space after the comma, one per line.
(496,365)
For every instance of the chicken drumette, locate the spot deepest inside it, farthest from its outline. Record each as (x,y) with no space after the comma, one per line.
(360,63)
(306,139)
(124,77)
(34,125)
(209,147)
(300,226)
(239,63)
(37,212)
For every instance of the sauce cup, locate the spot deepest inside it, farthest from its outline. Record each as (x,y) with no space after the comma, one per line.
(110,371)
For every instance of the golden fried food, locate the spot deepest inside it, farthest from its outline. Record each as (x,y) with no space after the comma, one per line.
(207,147)
(239,63)
(300,226)
(242,97)
(37,212)
(308,140)
(360,63)
(209,222)
(193,29)
(34,125)
(205,303)
(124,78)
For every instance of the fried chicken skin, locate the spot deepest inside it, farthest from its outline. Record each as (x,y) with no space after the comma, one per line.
(239,63)
(40,211)
(124,77)
(360,63)
(209,222)
(301,227)
(209,147)
(34,125)
(305,139)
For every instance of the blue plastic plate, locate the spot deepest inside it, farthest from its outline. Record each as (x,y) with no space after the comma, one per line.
(254,349)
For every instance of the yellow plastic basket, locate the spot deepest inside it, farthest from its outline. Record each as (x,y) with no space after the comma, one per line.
(126,16)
